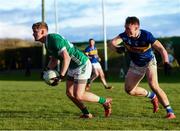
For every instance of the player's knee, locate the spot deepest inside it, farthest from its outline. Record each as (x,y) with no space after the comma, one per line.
(129,91)
(79,97)
(96,75)
(102,75)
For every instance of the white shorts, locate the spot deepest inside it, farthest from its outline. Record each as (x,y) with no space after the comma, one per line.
(142,70)
(81,73)
(96,65)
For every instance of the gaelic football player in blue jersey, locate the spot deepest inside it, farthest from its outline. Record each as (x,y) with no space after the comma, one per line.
(77,66)
(139,44)
(97,71)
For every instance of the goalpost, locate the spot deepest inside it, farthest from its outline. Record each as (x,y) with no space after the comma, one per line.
(105,37)
(56,30)
(43,45)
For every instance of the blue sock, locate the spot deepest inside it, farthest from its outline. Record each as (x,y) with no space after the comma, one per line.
(169,109)
(151,95)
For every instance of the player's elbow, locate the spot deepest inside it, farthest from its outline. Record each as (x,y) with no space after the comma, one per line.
(110,44)
(67,59)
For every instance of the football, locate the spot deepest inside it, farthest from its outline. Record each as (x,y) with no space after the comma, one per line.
(49,77)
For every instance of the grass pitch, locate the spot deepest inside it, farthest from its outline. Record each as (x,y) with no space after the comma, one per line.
(26,103)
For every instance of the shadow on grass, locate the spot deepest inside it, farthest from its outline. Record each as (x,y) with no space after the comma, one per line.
(33,114)
(19,75)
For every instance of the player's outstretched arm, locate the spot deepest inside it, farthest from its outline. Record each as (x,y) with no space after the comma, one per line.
(114,44)
(159,47)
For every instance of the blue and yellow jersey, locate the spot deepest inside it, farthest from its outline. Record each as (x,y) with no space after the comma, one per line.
(139,49)
(92,53)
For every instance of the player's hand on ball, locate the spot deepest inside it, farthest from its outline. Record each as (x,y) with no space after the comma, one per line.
(51,77)
(56,81)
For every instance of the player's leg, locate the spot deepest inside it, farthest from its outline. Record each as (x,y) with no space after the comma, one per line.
(79,104)
(80,94)
(153,83)
(83,95)
(134,75)
(102,78)
(131,84)
(94,75)
(70,93)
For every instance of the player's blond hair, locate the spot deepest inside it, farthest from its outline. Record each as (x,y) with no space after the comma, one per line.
(40,25)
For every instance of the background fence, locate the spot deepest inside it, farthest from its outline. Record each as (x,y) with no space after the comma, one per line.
(21,57)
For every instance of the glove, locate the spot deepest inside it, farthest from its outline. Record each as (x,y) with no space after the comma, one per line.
(61,77)
(57,80)
(42,72)
(120,49)
(167,68)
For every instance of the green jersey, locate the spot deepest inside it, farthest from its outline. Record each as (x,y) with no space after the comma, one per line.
(55,44)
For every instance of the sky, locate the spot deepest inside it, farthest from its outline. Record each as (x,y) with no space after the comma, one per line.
(79,20)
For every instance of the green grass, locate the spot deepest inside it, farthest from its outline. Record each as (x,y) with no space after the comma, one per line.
(29,104)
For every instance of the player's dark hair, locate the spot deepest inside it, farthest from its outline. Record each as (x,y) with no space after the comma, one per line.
(40,25)
(91,39)
(132,20)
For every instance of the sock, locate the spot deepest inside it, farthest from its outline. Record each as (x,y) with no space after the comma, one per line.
(102,100)
(88,81)
(105,86)
(169,109)
(85,111)
(151,95)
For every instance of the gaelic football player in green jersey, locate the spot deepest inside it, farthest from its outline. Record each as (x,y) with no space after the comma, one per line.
(75,64)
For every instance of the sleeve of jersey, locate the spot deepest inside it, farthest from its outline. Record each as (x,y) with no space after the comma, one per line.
(86,51)
(121,35)
(59,45)
(151,38)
